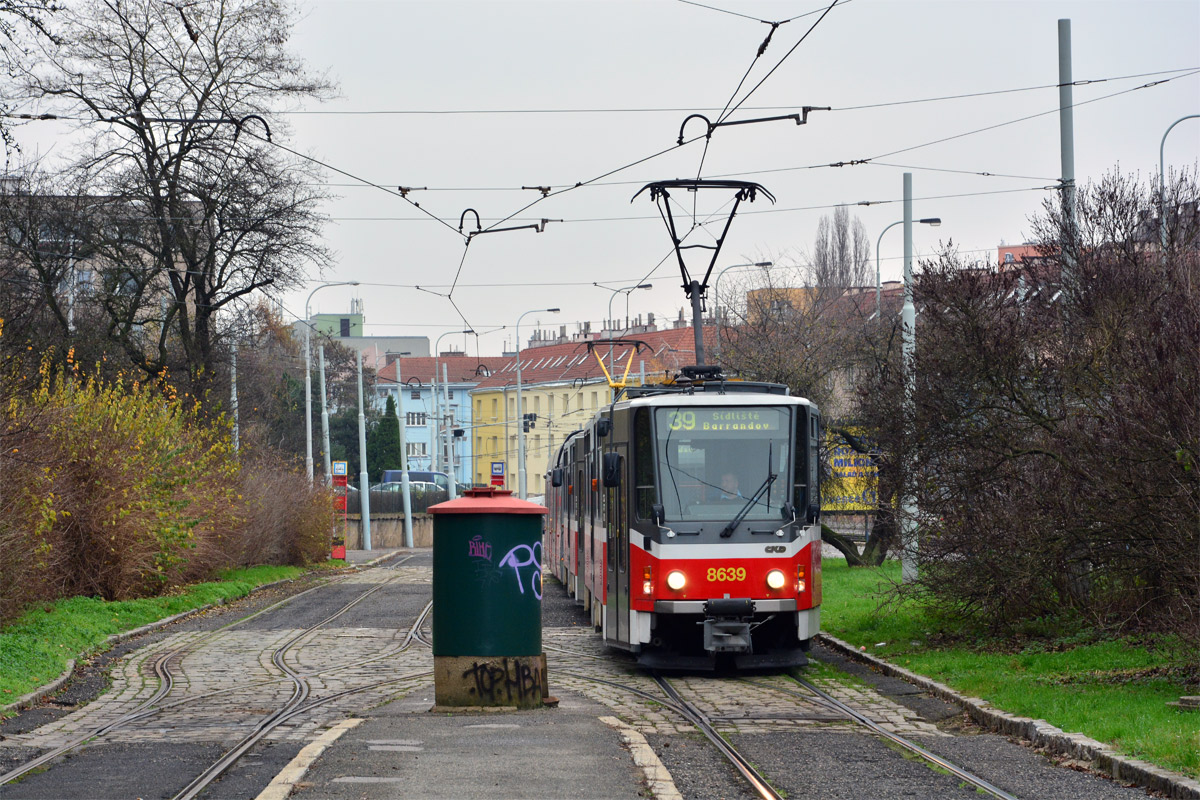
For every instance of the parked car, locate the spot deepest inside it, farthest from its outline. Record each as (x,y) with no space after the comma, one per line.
(440,479)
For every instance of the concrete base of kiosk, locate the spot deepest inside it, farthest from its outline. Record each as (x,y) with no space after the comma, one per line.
(490,681)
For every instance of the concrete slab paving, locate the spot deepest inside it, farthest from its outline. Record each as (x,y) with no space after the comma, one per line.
(547,753)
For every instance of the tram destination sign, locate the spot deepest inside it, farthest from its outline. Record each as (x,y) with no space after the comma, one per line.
(723,419)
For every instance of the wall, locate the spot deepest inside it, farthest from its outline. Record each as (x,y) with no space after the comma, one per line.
(387,531)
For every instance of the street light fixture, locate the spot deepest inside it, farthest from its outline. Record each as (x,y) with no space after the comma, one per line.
(627,290)
(717,292)
(308,456)
(520,410)
(1162,177)
(931,221)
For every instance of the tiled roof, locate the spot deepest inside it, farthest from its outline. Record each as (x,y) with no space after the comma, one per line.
(562,363)
(459,368)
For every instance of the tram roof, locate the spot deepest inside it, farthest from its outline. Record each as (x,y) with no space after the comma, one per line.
(734,398)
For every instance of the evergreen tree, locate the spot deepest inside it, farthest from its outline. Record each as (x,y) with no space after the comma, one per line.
(383,443)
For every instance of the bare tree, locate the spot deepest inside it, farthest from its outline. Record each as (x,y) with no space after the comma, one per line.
(201,210)
(1053,441)
(22,22)
(841,255)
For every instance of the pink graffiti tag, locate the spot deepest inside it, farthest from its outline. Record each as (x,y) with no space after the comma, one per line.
(478,548)
(525,556)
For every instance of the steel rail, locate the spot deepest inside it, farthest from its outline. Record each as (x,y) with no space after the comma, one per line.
(740,762)
(907,744)
(146,707)
(149,707)
(697,718)
(300,693)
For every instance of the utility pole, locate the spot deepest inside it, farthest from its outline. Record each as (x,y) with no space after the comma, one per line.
(233,398)
(449,433)
(404,485)
(908,322)
(364,488)
(324,419)
(1066,136)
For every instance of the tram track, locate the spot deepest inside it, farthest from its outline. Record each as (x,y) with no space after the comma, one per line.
(673,700)
(162,670)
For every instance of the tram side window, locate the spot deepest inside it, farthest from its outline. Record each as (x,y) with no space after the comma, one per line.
(643,464)
(800,494)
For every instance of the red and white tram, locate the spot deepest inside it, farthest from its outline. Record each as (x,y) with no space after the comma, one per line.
(686,518)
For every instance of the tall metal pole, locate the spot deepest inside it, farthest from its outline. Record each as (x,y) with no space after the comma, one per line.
(628,290)
(520,411)
(308,455)
(1162,179)
(438,461)
(908,318)
(364,488)
(449,433)
(233,398)
(697,322)
(325,458)
(1066,136)
(401,419)
(520,420)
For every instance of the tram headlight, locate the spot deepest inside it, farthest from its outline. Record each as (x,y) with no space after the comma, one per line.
(776,579)
(676,580)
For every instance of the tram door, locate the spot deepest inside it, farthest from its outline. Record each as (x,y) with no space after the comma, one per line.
(616,568)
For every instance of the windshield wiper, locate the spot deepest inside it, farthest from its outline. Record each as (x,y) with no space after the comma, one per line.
(727,531)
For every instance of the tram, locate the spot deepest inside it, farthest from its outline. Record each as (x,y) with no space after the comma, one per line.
(686,518)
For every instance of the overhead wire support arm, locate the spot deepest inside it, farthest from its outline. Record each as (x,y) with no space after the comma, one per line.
(801,118)
(539,226)
(237,123)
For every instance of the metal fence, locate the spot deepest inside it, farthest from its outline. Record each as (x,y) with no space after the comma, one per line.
(392,502)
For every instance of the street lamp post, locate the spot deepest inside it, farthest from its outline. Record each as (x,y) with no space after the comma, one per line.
(717,292)
(404,484)
(308,456)
(933,221)
(435,460)
(1162,178)
(520,412)
(627,290)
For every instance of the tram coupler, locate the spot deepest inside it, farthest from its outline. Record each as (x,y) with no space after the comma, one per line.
(727,626)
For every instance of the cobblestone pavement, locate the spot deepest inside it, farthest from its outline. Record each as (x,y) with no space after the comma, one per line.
(734,706)
(226,684)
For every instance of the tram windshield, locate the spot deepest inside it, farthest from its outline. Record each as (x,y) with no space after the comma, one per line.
(713,461)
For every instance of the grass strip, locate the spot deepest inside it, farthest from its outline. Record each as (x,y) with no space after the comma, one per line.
(35,649)
(1113,690)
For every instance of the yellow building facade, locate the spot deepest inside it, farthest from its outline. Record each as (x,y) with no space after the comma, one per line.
(562,407)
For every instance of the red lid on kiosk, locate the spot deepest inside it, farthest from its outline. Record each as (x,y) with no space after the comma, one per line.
(488,500)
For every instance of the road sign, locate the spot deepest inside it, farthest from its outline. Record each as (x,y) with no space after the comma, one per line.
(339,467)
(497,468)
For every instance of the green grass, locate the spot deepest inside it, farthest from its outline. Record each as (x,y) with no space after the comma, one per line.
(34,650)
(1108,689)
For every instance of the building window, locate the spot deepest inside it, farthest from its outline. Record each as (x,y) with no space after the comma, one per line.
(417,449)
(344,325)
(1008,258)
(416,394)
(417,419)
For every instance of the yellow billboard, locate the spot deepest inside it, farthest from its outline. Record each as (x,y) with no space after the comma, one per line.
(854,480)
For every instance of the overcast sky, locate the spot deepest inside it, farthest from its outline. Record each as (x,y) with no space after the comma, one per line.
(582,88)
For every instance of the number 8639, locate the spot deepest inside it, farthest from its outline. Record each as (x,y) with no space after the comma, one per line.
(726,574)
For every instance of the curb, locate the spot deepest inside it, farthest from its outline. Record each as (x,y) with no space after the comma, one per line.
(1099,756)
(27,700)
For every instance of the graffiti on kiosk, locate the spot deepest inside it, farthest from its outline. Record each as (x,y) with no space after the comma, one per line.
(478,548)
(522,556)
(507,679)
